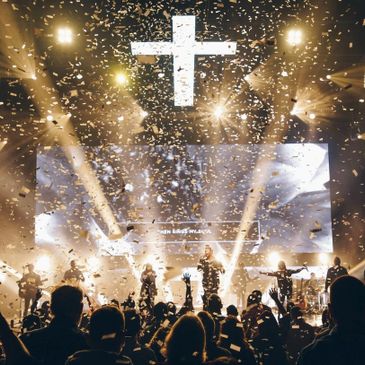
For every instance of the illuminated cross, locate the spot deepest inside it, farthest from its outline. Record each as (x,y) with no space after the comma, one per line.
(184,48)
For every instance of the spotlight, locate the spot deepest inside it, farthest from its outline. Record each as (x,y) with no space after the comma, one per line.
(33,77)
(295,37)
(120,119)
(43,263)
(312,116)
(218,111)
(64,35)
(50,118)
(93,263)
(328,77)
(273,259)
(243,116)
(121,79)
(323,259)
(144,114)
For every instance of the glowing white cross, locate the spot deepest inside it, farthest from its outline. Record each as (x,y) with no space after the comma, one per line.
(184,48)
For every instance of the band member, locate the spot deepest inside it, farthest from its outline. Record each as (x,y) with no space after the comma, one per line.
(312,285)
(148,288)
(211,269)
(334,272)
(29,287)
(240,278)
(73,276)
(285,283)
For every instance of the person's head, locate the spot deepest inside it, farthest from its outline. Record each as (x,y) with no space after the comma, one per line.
(107,329)
(171,308)
(208,251)
(347,301)
(281,265)
(132,322)
(214,304)
(30,268)
(73,264)
(232,332)
(296,313)
(160,310)
(337,261)
(185,344)
(313,275)
(268,328)
(148,267)
(232,310)
(208,324)
(66,303)
(254,298)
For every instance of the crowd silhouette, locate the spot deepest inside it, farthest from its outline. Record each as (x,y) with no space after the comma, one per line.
(119,333)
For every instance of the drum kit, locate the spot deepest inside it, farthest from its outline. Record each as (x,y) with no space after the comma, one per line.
(316,300)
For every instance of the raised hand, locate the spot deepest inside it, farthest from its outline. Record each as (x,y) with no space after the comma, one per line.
(186,278)
(273,292)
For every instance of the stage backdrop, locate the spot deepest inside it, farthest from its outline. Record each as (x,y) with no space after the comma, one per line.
(179,198)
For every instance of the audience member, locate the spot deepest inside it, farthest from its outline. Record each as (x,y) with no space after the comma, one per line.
(107,336)
(53,344)
(212,349)
(139,354)
(185,344)
(345,344)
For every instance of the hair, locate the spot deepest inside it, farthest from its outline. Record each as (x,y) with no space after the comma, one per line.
(347,300)
(160,310)
(208,324)
(296,313)
(107,328)
(282,263)
(337,261)
(171,308)
(185,344)
(254,298)
(66,302)
(232,310)
(214,303)
(132,322)
(232,329)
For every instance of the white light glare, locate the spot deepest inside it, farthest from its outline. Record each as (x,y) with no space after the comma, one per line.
(218,111)
(64,35)
(93,263)
(144,114)
(50,118)
(273,259)
(312,116)
(295,37)
(43,263)
(323,259)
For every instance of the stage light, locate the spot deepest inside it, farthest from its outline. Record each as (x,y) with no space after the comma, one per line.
(312,116)
(120,119)
(273,258)
(218,111)
(144,114)
(323,259)
(93,263)
(328,77)
(64,35)
(33,77)
(121,79)
(243,116)
(50,118)
(295,37)
(43,263)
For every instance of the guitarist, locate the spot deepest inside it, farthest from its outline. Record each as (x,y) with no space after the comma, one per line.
(29,287)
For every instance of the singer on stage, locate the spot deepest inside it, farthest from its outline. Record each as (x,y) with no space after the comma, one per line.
(211,269)
(148,288)
(285,282)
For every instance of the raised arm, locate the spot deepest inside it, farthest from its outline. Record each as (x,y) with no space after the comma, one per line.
(15,351)
(274,273)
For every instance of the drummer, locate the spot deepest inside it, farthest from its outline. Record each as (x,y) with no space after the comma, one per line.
(312,285)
